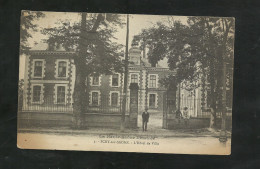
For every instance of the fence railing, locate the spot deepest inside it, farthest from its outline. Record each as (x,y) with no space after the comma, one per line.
(195,109)
(104,105)
(208,114)
(108,105)
(47,104)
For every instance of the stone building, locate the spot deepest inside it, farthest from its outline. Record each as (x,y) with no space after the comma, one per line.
(49,83)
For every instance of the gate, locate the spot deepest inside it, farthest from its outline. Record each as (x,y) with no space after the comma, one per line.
(165,111)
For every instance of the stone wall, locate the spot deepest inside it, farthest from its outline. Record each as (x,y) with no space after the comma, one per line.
(44,119)
(196,123)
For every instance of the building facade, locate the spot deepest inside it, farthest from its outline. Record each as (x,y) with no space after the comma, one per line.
(50,78)
(49,85)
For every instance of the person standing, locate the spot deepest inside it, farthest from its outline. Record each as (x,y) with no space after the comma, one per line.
(178,115)
(145,117)
(186,116)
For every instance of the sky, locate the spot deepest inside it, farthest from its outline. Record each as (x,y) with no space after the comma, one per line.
(136,24)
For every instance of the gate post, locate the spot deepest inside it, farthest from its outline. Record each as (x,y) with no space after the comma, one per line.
(133,105)
(169,105)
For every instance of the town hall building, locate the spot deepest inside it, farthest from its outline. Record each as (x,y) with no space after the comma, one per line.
(50,78)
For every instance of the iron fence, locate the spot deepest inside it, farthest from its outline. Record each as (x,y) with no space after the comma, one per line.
(49,103)
(207,114)
(107,104)
(196,109)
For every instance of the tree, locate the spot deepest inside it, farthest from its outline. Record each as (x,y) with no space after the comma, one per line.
(27,25)
(20,94)
(96,53)
(197,51)
(218,37)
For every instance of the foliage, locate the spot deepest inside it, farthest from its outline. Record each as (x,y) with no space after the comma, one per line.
(102,55)
(197,51)
(27,25)
(192,48)
(20,93)
(96,53)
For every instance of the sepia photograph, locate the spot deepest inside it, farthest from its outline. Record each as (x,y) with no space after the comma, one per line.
(125,82)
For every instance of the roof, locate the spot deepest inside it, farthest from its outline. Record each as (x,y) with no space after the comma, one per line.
(41,48)
(44,47)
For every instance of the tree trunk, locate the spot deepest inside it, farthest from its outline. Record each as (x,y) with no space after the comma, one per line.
(79,95)
(79,89)
(79,98)
(212,76)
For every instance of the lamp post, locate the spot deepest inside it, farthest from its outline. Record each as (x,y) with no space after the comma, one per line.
(223,134)
(125,75)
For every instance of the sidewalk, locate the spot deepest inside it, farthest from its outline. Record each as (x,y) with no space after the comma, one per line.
(206,132)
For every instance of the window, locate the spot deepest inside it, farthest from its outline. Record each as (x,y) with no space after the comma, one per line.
(152,100)
(94,98)
(37,93)
(62,69)
(38,68)
(114,99)
(115,80)
(134,78)
(152,82)
(60,94)
(95,80)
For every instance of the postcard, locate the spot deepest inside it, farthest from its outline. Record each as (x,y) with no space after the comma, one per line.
(125,82)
